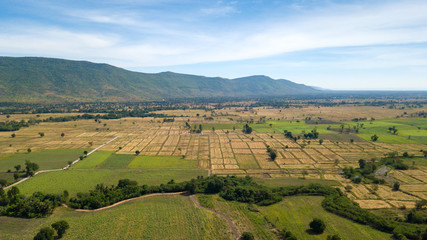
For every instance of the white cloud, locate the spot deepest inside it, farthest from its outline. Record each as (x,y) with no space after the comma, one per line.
(156,42)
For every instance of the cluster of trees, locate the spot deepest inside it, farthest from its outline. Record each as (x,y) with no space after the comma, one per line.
(37,205)
(341,205)
(414,217)
(48,233)
(230,188)
(393,130)
(289,135)
(14,125)
(272,153)
(395,162)
(374,138)
(312,135)
(365,172)
(366,169)
(197,129)
(287,235)
(247,129)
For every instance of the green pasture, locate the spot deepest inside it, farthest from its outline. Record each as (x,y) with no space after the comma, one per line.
(83,180)
(219,126)
(286,181)
(296,212)
(410,130)
(291,126)
(93,160)
(117,161)
(161,162)
(46,159)
(161,217)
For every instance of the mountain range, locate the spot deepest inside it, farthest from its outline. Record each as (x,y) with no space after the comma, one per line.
(35,79)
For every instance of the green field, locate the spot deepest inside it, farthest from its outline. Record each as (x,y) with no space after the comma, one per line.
(117,161)
(161,162)
(162,217)
(245,216)
(46,159)
(83,180)
(281,182)
(410,130)
(219,126)
(295,213)
(93,160)
(291,126)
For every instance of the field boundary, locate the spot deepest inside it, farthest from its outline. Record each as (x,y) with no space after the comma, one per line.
(60,169)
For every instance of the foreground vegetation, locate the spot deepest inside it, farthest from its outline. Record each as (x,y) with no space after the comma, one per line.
(242,190)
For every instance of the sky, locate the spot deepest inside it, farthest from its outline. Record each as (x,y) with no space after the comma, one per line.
(333,44)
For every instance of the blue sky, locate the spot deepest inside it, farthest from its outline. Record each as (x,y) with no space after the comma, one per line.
(333,44)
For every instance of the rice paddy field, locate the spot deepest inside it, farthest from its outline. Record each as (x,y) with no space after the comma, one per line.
(153,152)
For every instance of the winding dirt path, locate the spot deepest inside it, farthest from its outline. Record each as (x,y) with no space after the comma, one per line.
(125,201)
(230,223)
(192,198)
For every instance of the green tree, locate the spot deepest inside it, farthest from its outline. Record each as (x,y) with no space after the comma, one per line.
(41,134)
(18,167)
(333,237)
(317,226)
(137,152)
(424,235)
(247,236)
(320,141)
(30,167)
(374,138)
(362,163)
(62,134)
(13,192)
(3,182)
(247,129)
(60,227)
(396,186)
(28,150)
(45,233)
(273,155)
(348,188)
(13,135)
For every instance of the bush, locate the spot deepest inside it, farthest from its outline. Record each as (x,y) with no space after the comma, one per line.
(317,226)
(247,236)
(333,237)
(45,233)
(60,227)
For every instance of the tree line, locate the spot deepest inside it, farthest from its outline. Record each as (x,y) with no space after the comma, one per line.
(230,188)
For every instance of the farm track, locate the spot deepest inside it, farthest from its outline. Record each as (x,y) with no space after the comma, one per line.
(60,169)
(230,223)
(192,198)
(125,201)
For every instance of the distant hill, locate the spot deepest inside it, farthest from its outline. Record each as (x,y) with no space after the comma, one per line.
(33,79)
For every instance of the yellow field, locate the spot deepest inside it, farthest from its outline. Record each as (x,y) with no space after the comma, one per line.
(228,151)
